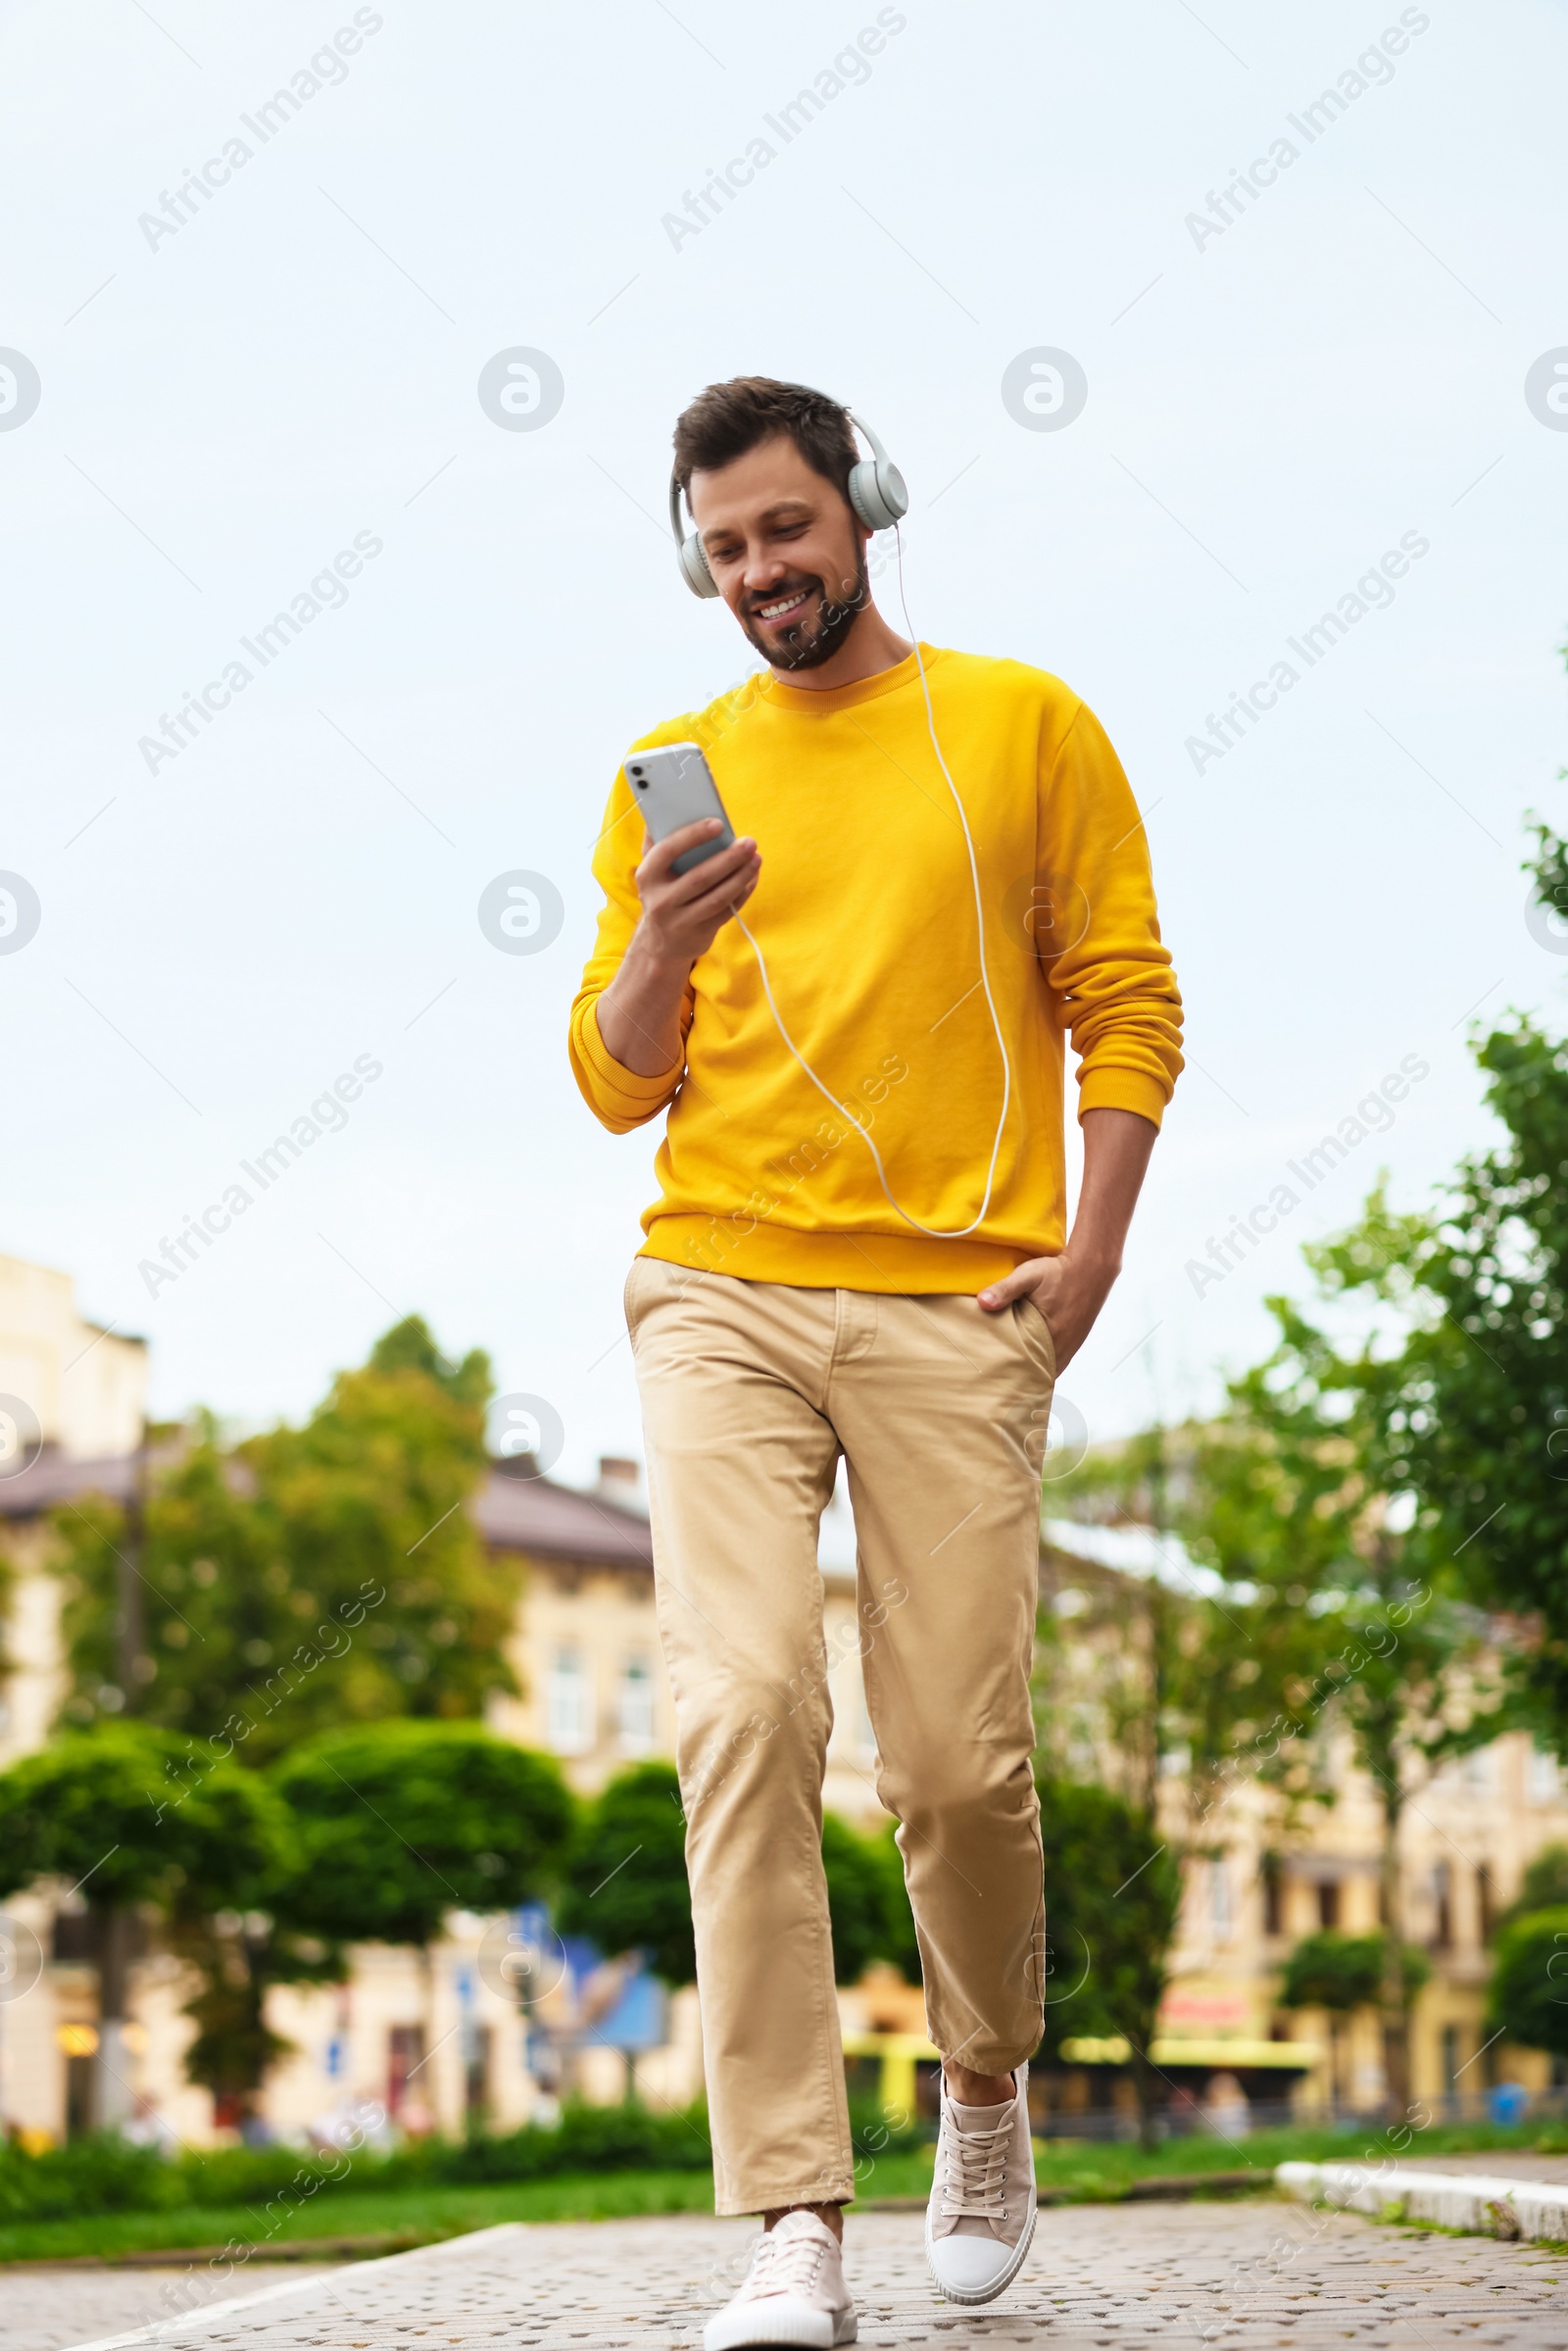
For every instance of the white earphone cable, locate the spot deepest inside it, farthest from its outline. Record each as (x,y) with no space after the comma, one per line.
(935,1233)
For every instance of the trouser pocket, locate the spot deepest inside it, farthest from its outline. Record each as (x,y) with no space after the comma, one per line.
(634,1296)
(1036,1332)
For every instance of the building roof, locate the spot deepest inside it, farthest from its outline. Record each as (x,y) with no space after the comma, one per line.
(57,1477)
(514,1511)
(518,1513)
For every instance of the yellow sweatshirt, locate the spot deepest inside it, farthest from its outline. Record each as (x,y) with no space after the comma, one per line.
(865,914)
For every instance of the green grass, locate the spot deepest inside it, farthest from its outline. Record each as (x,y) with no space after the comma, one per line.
(395,2218)
(399,2218)
(410,2217)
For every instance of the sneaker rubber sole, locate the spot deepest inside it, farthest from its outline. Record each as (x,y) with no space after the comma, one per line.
(971,2302)
(771,2336)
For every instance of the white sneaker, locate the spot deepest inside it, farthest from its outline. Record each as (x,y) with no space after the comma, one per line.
(981,2215)
(794,2293)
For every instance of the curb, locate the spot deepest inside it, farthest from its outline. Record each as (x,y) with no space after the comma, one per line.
(1480,2204)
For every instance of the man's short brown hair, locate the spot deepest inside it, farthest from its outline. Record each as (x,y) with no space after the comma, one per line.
(727,419)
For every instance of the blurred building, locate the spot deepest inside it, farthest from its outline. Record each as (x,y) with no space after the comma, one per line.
(455,2043)
(1265,1882)
(84,1386)
(71,1395)
(592,1692)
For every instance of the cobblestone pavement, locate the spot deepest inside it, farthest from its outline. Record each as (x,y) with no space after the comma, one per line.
(1235,2276)
(48,2310)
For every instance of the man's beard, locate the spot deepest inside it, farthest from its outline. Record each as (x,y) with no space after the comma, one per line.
(809,645)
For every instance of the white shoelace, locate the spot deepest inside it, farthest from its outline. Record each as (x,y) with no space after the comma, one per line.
(976,2168)
(785,2265)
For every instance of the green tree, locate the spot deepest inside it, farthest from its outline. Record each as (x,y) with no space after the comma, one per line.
(1112,1896)
(1330,1970)
(1198,1653)
(858,1889)
(1543,1885)
(238,1956)
(898,1944)
(1480,1404)
(1161,1696)
(626,1886)
(1529,1999)
(409,1347)
(1308,1596)
(1341,1973)
(307,1577)
(397,1822)
(123,1813)
(626,1877)
(1320,1507)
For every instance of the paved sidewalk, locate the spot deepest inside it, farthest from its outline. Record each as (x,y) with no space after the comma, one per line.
(48,2310)
(1236,2276)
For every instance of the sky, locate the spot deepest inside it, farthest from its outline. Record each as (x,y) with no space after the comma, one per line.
(418,335)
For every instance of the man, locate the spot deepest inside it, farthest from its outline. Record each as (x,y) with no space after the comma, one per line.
(904,1294)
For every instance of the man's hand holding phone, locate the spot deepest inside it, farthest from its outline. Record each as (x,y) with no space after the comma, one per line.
(683,913)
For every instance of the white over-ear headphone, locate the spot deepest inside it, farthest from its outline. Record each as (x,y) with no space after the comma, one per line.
(875,490)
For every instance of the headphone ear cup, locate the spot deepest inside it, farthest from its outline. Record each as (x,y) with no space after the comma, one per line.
(877,493)
(693,566)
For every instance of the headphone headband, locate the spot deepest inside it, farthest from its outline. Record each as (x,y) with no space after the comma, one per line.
(860,426)
(875,491)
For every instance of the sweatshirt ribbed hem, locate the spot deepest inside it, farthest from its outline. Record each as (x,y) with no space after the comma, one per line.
(899,1264)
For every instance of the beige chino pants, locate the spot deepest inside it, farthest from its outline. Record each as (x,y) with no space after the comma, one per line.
(750,1393)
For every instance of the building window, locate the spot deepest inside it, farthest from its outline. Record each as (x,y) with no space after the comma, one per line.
(1273,1895)
(1544,1778)
(76,1932)
(404,2057)
(1443,1905)
(1219,1900)
(477,2052)
(568,1706)
(635,1708)
(79,2073)
(1477,1769)
(1486,1904)
(1450,2058)
(1327,1902)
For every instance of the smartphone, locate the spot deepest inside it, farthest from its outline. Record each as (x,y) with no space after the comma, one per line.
(674,786)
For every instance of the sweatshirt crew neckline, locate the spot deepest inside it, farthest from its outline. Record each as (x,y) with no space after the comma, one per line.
(906,672)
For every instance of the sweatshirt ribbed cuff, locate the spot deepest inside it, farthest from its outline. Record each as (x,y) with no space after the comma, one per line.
(622,1092)
(1116,1089)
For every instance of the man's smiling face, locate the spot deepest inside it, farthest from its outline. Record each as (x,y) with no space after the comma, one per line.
(785,550)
